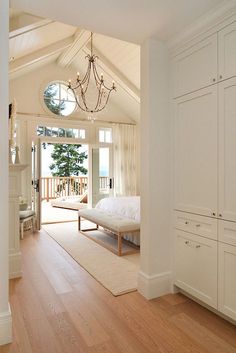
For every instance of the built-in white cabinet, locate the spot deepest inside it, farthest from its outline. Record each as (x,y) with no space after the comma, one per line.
(203,58)
(196,266)
(227,149)
(205,170)
(196,152)
(227,280)
(227,52)
(206,62)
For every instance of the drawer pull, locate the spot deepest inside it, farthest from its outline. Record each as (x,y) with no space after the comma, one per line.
(186,222)
(198,246)
(186,242)
(198,225)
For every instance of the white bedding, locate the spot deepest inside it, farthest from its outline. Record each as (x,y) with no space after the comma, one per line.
(128,206)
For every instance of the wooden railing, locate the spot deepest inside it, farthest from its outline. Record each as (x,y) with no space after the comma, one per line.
(53,187)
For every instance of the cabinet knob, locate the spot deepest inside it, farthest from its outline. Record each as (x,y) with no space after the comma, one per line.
(220,77)
(214,80)
(198,225)
(186,242)
(213,214)
(198,246)
(186,222)
(220,215)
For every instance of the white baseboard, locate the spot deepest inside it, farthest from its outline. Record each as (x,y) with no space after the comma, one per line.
(156,285)
(5,327)
(15,265)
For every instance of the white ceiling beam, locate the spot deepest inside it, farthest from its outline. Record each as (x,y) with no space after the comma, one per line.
(27,25)
(111,70)
(81,38)
(41,54)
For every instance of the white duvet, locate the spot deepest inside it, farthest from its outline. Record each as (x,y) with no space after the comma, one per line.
(127,206)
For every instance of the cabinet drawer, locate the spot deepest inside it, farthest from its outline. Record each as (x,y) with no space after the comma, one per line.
(196,266)
(227,280)
(204,226)
(227,232)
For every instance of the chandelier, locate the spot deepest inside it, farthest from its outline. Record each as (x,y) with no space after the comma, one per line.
(81,86)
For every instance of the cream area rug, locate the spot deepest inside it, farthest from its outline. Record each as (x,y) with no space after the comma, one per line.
(117,274)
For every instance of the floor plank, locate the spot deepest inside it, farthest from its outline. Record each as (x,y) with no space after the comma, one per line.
(58,307)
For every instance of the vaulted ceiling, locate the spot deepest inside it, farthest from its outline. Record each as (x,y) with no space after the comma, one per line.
(36,42)
(42,38)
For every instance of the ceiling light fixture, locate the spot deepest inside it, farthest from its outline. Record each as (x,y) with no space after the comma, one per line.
(81,86)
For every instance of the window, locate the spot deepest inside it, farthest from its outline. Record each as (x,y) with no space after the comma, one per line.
(105,135)
(59,100)
(61,132)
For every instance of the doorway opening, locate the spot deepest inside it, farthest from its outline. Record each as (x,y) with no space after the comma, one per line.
(62,176)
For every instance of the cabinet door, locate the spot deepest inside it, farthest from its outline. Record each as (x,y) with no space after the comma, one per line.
(227,232)
(196,67)
(196,266)
(196,152)
(227,149)
(227,52)
(227,280)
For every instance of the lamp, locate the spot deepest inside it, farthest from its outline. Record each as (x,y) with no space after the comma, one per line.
(81,86)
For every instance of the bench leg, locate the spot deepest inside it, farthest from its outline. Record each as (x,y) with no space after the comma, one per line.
(79,224)
(119,238)
(21,230)
(32,220)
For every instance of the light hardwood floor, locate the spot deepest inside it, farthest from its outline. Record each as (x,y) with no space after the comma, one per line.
(59,308)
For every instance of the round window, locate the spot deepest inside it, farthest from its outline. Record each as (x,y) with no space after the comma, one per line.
(59,100)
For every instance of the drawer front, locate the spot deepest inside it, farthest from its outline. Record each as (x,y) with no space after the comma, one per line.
(227,232)
(196,266)
(204,226)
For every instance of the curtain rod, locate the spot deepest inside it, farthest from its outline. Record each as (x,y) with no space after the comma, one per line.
(36,115)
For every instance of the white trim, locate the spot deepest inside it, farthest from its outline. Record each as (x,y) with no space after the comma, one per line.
(5,327)
(208,24)
(155,285)
(15,265)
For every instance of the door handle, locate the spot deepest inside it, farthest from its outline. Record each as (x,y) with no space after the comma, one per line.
(36,185)
(111,183)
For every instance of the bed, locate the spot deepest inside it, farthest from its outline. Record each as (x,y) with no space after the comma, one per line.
(126,206)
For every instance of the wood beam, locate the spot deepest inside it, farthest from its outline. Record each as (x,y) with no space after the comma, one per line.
(80,40)
(41,54)
(21,28)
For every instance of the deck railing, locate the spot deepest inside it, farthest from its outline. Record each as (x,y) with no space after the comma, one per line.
(53,187)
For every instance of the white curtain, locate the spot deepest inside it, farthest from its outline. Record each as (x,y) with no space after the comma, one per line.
(125,139)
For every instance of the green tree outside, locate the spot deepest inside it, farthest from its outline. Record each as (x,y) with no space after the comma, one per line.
(68,161)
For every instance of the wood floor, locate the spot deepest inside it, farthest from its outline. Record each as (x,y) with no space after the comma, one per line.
(59,308)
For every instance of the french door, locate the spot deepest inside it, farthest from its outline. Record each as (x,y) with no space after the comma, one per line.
(36,177)
(101,174)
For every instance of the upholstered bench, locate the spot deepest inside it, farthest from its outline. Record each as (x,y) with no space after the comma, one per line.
(26,216)
(116,224)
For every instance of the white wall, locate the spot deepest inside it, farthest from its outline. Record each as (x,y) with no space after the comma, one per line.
(155,273)
(5,315)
